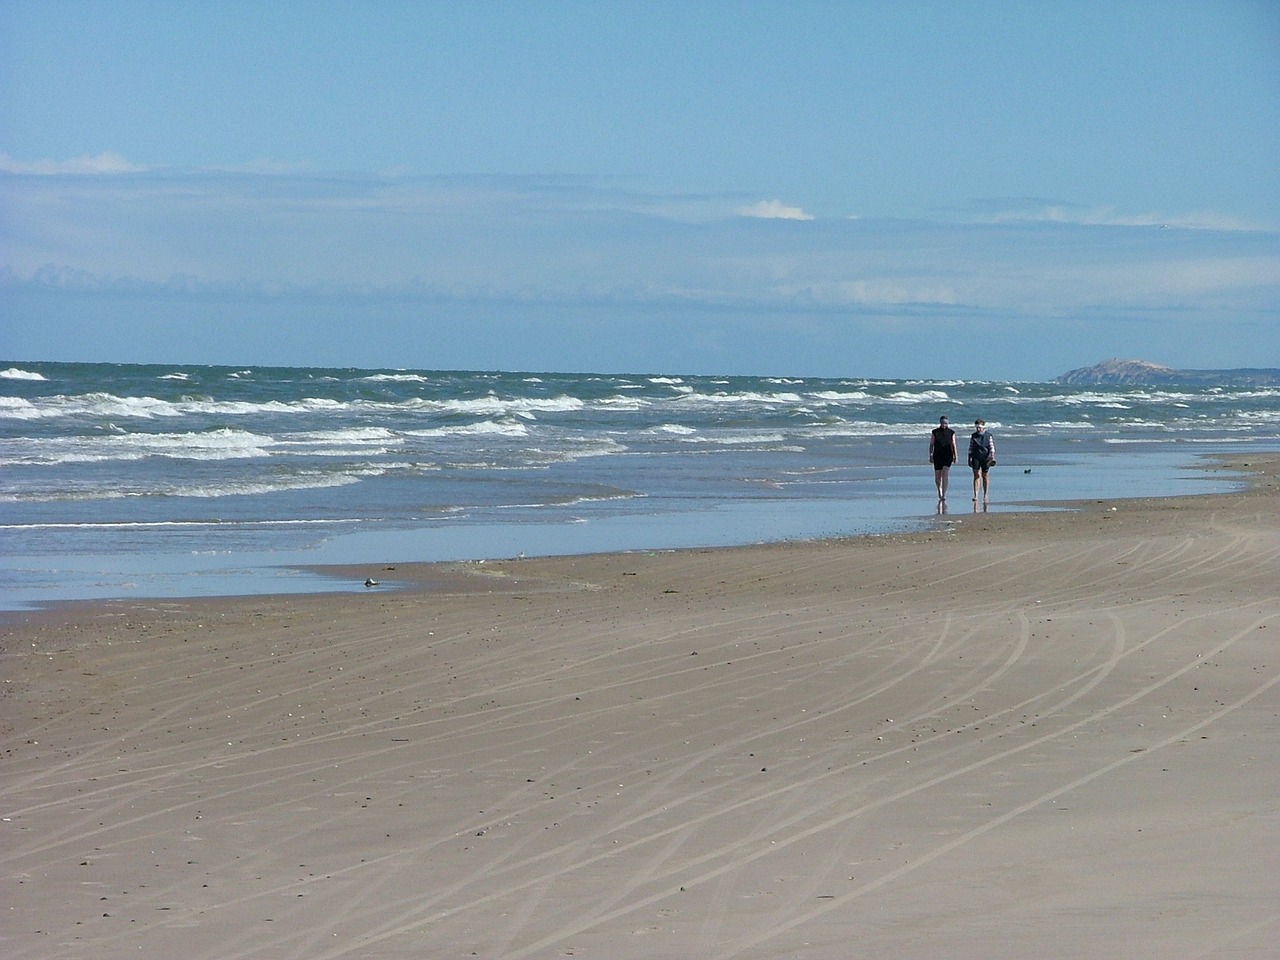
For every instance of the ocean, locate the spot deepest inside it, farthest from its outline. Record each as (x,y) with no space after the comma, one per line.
(121,480)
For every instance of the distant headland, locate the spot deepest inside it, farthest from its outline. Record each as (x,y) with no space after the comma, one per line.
(1145,372)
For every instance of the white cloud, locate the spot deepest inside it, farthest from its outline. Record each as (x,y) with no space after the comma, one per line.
(773,210)
(83,165)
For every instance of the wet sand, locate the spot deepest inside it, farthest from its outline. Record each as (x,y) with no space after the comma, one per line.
(1043,735)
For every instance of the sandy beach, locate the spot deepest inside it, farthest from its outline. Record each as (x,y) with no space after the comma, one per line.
(1048,735)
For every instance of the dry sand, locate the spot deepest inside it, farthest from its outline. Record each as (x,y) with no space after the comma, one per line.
(1036,736)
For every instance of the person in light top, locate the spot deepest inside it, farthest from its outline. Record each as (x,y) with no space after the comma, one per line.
(982,457)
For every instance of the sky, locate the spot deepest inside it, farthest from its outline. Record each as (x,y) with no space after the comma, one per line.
(978,190)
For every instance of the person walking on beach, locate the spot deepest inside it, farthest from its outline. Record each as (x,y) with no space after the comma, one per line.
(982,457)
(942,454)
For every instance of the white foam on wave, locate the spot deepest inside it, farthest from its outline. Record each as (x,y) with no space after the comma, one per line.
(223,487)
(113,407)
(103,405)
(396,378)
(1092,400)
(1259,416)
(1054,426)
(340,441)
(15,373)
(88,405)
(567,450)
(16,408)
(494,406)
(749,398)
(244,408)
(737,440)
(836,396)
(921,396)
(20,454)
(623,404)
(578,448)
(222,444)
(573,501)
(307,481)
(860,428)
(677,429)
(352,435)
(481,429)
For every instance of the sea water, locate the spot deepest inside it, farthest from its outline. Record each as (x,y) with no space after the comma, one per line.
(131,480)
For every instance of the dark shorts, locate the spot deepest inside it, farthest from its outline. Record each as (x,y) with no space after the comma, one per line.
(979,463)
(941,462)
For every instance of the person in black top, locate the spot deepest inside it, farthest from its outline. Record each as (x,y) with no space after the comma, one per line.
(982,457)
(942,454)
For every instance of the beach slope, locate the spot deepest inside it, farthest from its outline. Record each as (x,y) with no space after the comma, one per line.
(1046,735)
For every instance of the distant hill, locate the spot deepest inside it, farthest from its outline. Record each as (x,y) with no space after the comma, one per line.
(1145,372)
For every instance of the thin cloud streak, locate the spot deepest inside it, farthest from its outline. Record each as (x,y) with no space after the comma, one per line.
(87,165)
(1051,212)
(545,239)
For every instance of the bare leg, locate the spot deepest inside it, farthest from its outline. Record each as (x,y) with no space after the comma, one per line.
(977,479)
(986,486)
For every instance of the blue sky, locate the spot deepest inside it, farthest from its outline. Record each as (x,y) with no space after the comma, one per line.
(930,189)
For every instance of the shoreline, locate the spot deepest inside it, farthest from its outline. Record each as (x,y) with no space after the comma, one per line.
(1043,734)
(98,571)
(1258,473)
(346,578)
